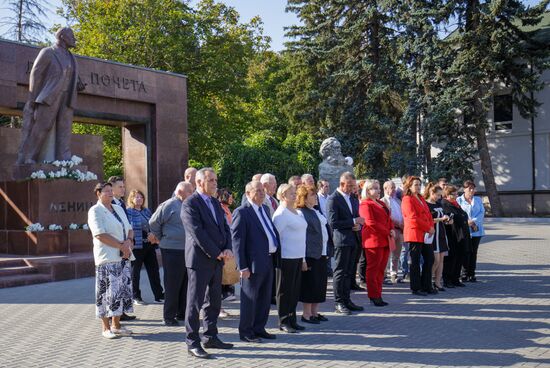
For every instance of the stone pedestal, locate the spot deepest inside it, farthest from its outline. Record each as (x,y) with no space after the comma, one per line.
(59,201)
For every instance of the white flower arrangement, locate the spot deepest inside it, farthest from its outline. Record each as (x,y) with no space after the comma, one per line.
(85,227)
(34,227)
(55,227)
(73,226)
(38,175)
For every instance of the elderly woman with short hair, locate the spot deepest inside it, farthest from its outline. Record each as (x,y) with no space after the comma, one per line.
(113,243)
(144,250)
(292,228)
(473,206)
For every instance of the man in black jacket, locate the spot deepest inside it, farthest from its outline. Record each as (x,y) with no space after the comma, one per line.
(344,219)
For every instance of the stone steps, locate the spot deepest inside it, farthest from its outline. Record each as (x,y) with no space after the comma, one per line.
(18,271)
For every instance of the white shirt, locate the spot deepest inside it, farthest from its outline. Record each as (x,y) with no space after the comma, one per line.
(272,246)
(102,221)
(348,200)
(323,202)
(395,211)
(292,230)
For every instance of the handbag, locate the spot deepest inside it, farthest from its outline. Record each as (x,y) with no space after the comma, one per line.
(230,274)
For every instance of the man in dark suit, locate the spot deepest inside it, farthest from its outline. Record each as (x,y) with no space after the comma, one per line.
(255,244)
(207,244)
(344,219)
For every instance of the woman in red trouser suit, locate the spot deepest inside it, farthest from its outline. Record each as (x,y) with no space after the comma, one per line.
(375,233)
(418,221)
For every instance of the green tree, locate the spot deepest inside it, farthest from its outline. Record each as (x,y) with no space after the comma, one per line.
(492,45)
(25,23)
(355,88)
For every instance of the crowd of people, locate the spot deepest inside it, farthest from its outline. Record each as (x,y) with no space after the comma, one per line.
(282,244)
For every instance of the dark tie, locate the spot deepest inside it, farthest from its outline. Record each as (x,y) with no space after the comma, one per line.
(273,204)
(266,223)
(211,207)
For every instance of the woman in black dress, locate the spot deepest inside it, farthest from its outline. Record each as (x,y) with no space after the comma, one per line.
(432,194)
(458,238)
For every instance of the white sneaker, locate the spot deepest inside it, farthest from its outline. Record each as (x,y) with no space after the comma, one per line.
(122,331)
(223,314)
(108,334)
(139,302)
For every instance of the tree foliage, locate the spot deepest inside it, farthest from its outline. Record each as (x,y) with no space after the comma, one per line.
(25,24)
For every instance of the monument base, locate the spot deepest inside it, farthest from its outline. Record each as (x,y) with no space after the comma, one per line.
(28,243)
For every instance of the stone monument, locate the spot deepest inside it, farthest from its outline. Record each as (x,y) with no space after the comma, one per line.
(48,113)
(334,163)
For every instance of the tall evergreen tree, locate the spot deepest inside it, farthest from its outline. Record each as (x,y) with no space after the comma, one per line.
(25,23)
(491,46)
(350,48)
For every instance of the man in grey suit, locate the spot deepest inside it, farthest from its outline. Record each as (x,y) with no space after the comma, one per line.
(207,244)
(52,99)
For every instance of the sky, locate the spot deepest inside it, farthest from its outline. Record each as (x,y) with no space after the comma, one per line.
(272,13)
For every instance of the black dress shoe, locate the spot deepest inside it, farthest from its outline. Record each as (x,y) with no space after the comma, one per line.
(354,307)
(252,339)
(448,285)
(198,353)
(125,317)
(180,318)
(287,328)
(265,335)
(432,291)
(439,288)
(171,322)
(357,288)
(420,293)
(311,320)
(459,284)
(321,318)
(216,343)
(342,309)
(378,302)
(298,327)
(464,278)
(472,279)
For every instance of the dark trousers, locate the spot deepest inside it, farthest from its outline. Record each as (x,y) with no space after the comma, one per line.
(255,302)
(421,280)
(148,257)
(288,277)
(470,260)
(203,288)
(453,263)
(344,270)
(361,265)
(175,283)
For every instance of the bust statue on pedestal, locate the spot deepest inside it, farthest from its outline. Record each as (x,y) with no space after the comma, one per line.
(334,163)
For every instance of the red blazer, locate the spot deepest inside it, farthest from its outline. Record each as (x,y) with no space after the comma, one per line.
(417,217)
(378,224)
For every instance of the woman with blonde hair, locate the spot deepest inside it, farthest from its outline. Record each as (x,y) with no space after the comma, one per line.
(292,228)
(376,234)
(440,245)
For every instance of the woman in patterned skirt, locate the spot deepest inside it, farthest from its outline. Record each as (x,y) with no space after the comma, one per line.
(113,243)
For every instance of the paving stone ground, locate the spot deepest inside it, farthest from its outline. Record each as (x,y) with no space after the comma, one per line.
(502,321)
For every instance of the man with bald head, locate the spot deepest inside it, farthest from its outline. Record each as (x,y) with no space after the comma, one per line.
(168,232)
(189,176)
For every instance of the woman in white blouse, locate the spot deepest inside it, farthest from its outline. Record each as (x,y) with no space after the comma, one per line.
(113,243)
(292,228)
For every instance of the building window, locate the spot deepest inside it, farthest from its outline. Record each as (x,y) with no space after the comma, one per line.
(503,112)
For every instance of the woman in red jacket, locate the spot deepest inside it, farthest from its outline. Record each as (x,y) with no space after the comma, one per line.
(375,233)
(418,222)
